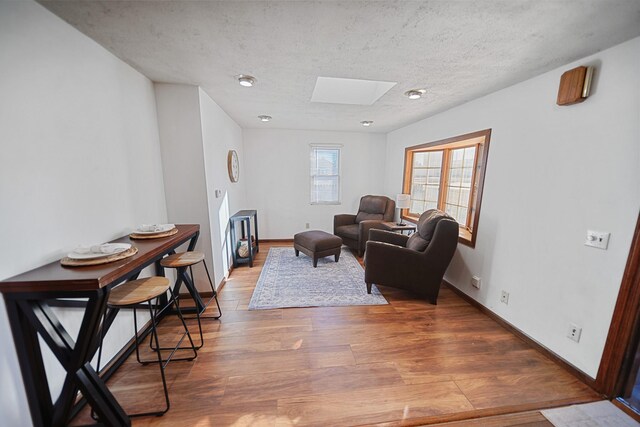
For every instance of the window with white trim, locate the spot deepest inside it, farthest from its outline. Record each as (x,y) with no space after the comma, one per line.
(325,175)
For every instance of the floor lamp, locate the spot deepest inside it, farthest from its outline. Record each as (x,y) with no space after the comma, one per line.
(403,201)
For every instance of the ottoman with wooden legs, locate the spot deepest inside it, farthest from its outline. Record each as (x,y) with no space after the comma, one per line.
(317,244)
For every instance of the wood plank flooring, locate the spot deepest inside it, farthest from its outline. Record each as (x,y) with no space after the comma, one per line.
(406,363)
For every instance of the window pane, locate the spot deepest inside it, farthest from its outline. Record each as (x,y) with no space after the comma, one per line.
(452,210)
(459,186)
(420,159)
(458,216)
(462,216)
(469,156)
(455,177)
(327,162)
(456,157)
(466,177)
(458,211)
(431,205)
(426,169)
(417,206)
(433,192)
(435,159)
(464,196)
(419,176)
(325,178)
(325,188)
(433,176)
(418,191)
(453,195)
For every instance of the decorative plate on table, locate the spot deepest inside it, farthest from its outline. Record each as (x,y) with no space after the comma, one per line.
(98,251)
(153,228)
(117,256)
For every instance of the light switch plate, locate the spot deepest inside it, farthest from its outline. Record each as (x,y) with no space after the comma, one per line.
(597,239)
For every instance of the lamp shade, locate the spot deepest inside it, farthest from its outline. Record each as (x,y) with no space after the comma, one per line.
(403,201)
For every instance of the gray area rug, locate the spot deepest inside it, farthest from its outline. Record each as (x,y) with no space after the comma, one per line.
(290,281)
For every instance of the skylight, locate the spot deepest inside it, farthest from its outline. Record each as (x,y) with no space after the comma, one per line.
(349,91)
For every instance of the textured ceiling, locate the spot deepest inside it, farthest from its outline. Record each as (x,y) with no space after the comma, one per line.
(457,50)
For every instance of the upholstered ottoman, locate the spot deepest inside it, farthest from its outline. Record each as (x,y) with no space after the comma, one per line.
(317,244)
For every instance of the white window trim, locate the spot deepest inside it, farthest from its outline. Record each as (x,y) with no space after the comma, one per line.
(331,147)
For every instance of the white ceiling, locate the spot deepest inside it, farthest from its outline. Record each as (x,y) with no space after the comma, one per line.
(457,50)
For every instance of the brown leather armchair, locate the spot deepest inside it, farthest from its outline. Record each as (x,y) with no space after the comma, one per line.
(354,229)
(416,263)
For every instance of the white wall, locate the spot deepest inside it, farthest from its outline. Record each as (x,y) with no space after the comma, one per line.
(80,161)
(183,165)
(196,135)
(219,135)
(553,172)
(277,169)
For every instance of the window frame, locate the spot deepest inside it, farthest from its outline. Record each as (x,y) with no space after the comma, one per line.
(466,236)
(315,147)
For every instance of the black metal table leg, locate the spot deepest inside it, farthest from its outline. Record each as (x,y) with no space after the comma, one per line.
(234,252)
(82,353)
(100,398)
(31,365)
(249,243)
(255,225)
(192,243)
(31,316)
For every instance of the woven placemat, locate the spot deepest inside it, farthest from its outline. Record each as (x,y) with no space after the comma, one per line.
(70,262)
(153,236)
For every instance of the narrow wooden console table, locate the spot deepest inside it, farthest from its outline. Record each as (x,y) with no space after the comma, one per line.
(244,218)
(29,298)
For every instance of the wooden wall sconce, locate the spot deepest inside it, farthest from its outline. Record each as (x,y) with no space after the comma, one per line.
(575,85)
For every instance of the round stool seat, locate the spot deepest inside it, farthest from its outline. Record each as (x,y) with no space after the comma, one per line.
(137,291)
(182,259)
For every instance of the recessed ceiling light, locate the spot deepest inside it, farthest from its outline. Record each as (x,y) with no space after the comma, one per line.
(264,118)
(366,123)
(415,93)
(246,80)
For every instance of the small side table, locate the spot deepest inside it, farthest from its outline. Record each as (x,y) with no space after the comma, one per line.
(392,226)
(244,217)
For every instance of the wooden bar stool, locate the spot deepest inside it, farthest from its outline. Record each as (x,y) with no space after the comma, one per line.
(182,262)
(130,295)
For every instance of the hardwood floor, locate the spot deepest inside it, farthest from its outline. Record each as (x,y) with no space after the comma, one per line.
(406,363)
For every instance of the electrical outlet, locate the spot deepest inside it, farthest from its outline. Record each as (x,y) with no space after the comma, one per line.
(475,282)
(306,225)
(574,332)
(504,297)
